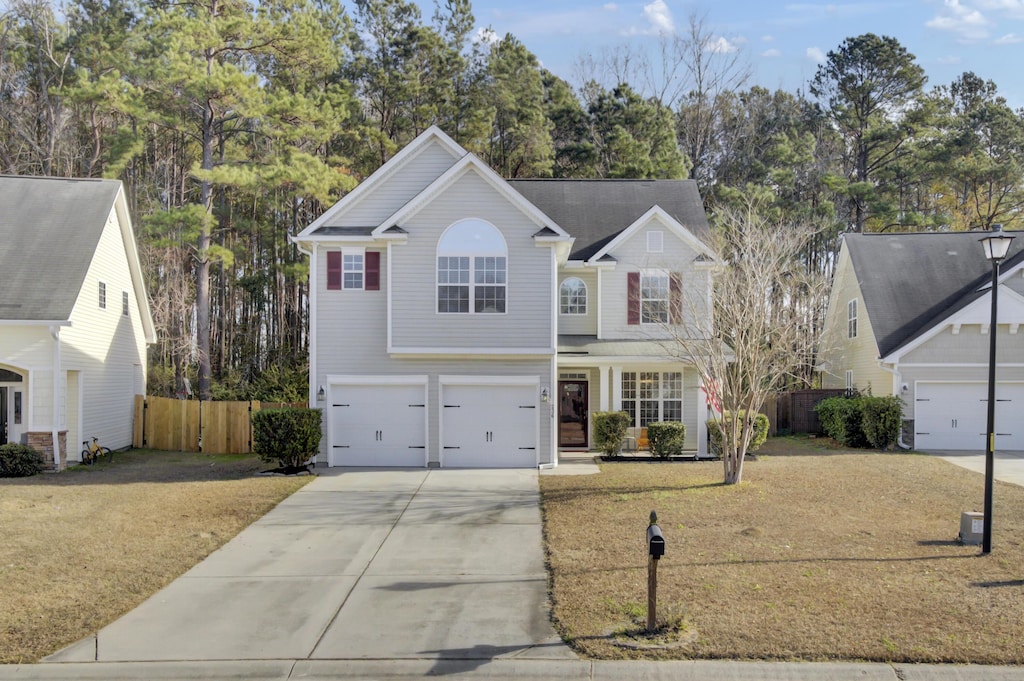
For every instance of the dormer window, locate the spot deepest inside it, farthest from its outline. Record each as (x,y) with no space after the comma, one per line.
(472,269)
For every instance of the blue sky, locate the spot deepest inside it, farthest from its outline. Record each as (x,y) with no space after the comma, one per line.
(782,42)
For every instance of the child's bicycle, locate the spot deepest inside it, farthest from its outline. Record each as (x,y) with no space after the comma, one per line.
(93,451)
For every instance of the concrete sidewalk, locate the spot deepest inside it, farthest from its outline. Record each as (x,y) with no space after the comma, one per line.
(360,564)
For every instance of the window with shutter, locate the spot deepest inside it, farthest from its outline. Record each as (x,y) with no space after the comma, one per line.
(633,298)
(333,270)
(373,270)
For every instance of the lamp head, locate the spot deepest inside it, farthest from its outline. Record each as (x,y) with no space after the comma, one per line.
(996,244)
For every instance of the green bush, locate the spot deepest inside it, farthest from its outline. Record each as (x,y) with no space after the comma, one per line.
(290,436)
(882,421)
(666,438)
(715,426)
(842,419)
(610,430)
(19,461)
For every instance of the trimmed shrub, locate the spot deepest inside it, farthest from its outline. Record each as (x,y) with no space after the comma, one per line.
(20,461)
(759,423)
(842,419)
(290,436)
(666,438)
(882,420)
(610,430)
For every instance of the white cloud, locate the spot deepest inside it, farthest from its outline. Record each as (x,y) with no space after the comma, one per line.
(771,53)
(768,38)
(967,23)
(720,45)
(1010,39)
(485,36)
(816,54)
(951,60)
(660,17)
(1014,9)
(610,7)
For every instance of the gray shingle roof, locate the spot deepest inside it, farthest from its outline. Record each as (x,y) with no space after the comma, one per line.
(596,211)
(912,281)
(49,228)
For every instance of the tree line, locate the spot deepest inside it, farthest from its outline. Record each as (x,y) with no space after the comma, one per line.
(235,124)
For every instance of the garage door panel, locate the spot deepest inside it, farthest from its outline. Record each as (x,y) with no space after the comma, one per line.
(491,426)
(954,416)
(378,425)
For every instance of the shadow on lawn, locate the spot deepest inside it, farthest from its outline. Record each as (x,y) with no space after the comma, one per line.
(562,495)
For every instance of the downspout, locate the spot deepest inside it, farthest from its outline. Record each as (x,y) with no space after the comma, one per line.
(54,423)
(896,378)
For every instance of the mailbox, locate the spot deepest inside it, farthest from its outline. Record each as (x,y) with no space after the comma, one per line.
(655,542)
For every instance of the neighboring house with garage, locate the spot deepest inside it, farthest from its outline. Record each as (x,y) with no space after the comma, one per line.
(74,318)
(461,320)
(909,315)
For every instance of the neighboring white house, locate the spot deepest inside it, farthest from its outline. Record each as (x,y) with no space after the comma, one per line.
(910,315)
(74,318)
(461,320)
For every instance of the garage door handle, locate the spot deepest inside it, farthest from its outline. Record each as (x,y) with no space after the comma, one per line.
(417,447)
(452,406)
(341,405)
(417,405)
(527,406)
(531,448)
(341,446)
(453,447)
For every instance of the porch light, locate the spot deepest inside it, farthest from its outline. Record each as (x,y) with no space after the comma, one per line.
(320,394)
(996,244)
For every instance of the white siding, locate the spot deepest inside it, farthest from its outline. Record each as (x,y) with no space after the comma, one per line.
(573,324)
(30,350)
(415,320)
(969,346)
(105,346)
(632,256)
(394,191)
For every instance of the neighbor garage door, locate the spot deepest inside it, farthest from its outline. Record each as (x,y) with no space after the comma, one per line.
(955,415)
(378,425)
(489,426)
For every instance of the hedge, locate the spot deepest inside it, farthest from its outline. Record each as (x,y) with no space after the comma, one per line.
(610,430)
(760,424)
(290,436)
(666,438)
(863,421)
(20,461)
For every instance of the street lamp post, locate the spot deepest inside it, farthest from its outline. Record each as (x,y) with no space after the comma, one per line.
(996,246)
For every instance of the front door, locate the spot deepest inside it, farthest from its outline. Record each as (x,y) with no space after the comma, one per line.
(3,416)
(572,413)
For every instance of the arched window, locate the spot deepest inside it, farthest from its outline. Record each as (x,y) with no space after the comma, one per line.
(573,296)
(472,268)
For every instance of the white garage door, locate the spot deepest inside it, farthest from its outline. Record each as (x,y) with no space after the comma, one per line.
(954,416)
(378,425)
(489,426)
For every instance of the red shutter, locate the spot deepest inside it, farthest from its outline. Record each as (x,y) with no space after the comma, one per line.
(633,298)
(675,298)
(372,270)
(333,270)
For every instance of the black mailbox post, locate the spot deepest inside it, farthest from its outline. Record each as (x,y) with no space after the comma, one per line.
(655,550)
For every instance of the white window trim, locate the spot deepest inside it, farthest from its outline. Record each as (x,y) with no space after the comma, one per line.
(586,298)
(472,255)
(668,295)
(661,399)
(355,251)
(851,319)
(849,379)
(102,293)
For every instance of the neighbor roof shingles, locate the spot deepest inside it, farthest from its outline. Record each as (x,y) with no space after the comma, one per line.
(912,281)
(49,228)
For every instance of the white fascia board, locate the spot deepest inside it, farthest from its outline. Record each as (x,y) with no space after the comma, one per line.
(134,265)
(1011,306)
(362,379)
(466,164)
(35,322)
(445,379)
(406,154)
(471,352)
(327,240)
(658,213)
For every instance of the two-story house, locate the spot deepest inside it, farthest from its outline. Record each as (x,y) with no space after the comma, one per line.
(910,315)
(461,320)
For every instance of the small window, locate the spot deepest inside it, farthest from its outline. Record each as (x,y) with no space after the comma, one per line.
(573,296)
(654,289)
(352,270)
(655,242)
(124,303)
(17,407)
(103,296)
(851,319)
(849,379)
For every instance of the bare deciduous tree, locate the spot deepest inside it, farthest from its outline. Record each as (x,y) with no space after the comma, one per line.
(765,303)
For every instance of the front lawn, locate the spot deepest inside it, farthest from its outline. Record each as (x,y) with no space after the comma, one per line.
(823,556)
(83,547)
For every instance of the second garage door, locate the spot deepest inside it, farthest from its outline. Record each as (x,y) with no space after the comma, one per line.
(489,426)
(378,425)
(954,416)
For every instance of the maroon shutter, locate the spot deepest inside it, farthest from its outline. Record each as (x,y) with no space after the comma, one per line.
(373,270)
(633,298)
(675,298)
(333,270)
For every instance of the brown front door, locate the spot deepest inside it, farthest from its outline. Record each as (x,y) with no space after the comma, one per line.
(572,413)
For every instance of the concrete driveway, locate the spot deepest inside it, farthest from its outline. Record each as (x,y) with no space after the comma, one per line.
(360,564)
(1006,466)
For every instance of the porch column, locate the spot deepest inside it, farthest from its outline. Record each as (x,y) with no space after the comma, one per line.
(55,420)
(702,419)
(606,387)
(616,388)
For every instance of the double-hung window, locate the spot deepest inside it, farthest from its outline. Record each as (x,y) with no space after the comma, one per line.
(654,296)
(650,396)
(352,270)
(472,269)
(851,319)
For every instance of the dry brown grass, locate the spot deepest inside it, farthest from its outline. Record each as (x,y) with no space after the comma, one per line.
(81,548)
(825,556)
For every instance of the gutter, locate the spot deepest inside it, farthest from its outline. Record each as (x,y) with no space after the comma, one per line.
(896,378)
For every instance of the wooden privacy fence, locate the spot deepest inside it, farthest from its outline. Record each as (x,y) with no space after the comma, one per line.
(193,425)
(793,412)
